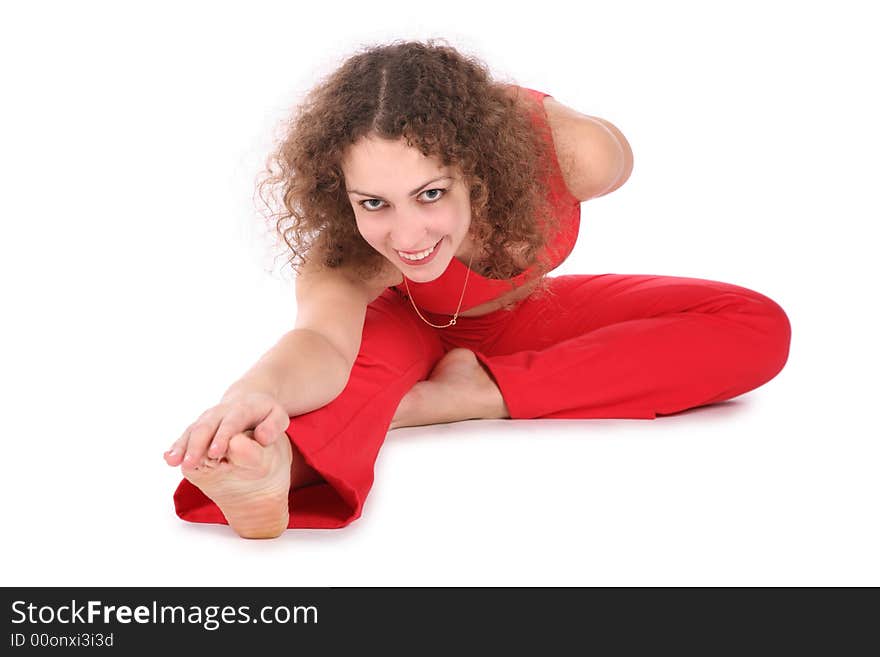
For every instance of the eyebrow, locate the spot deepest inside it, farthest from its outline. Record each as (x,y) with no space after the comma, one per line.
(354,191)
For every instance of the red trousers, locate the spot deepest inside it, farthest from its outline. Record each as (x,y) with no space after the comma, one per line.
(599,346)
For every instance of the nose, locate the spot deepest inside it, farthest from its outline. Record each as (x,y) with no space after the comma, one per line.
(409,234)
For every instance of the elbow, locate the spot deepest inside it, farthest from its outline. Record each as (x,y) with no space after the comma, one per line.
(627,158)
(624,158)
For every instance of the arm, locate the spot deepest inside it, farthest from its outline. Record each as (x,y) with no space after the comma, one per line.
(303,371)
(594,155)
(310,365)
(626,151)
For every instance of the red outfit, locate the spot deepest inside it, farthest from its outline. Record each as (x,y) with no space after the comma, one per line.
(599,346)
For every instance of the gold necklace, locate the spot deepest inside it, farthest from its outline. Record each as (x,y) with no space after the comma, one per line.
(455,316)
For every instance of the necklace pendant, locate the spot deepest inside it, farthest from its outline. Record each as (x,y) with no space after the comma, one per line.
(408,295)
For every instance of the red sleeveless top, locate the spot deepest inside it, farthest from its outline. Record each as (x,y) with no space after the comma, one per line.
(442,294)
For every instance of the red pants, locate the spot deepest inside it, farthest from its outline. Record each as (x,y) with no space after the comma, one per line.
(603,346)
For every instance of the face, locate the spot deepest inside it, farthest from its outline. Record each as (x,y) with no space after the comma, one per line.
(406,204)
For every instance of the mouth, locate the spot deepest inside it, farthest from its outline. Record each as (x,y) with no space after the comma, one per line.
(419,257)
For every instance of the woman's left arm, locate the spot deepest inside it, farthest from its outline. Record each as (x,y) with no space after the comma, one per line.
(594,155)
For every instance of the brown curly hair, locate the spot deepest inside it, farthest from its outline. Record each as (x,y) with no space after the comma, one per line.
(445,104)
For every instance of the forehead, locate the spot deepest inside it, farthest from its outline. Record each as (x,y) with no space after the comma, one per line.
(372,158)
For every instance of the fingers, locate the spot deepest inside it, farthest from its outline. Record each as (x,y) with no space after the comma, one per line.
(175,454)
(189,449)
(205,443)
(240,418)
(272,426)
(200,435)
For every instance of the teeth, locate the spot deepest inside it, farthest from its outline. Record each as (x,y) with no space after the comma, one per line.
(417,256)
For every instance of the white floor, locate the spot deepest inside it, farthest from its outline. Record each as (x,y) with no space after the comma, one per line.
(776,487)
(136,290)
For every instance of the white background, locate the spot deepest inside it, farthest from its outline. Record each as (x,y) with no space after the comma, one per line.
(139,282)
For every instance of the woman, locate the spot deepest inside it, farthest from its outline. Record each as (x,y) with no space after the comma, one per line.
(424,205)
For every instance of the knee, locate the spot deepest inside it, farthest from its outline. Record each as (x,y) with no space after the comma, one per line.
(775,328)
(781,334)
(766,325)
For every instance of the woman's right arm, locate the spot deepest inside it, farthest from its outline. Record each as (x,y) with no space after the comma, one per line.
(305,370)
(310,365)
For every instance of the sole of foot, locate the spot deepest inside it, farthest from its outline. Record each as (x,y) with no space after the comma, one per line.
(250,485)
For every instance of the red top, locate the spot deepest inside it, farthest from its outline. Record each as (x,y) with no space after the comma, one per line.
(442,294)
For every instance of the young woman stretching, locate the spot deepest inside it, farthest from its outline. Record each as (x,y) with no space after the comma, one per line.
(424,204)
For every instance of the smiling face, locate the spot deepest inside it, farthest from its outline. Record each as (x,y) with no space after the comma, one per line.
(406,204)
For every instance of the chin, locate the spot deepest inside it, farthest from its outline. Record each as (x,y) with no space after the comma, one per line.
(430,272)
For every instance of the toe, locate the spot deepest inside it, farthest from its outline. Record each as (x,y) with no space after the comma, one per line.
(245,452)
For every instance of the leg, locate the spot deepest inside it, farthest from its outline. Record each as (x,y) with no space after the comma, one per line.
(618,346)
(340,441)
(301,473)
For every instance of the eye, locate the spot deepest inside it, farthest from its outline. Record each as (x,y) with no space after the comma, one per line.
(373,208)
(369,200)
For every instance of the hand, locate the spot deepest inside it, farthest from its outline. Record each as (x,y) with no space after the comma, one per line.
(206,440)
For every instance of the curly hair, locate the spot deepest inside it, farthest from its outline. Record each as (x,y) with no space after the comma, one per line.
(448,106)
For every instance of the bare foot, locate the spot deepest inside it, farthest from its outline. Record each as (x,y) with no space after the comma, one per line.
(459,388)
(250,485)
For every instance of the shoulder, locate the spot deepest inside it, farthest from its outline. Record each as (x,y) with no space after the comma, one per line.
(315,273)
(388,276)
(576,137)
